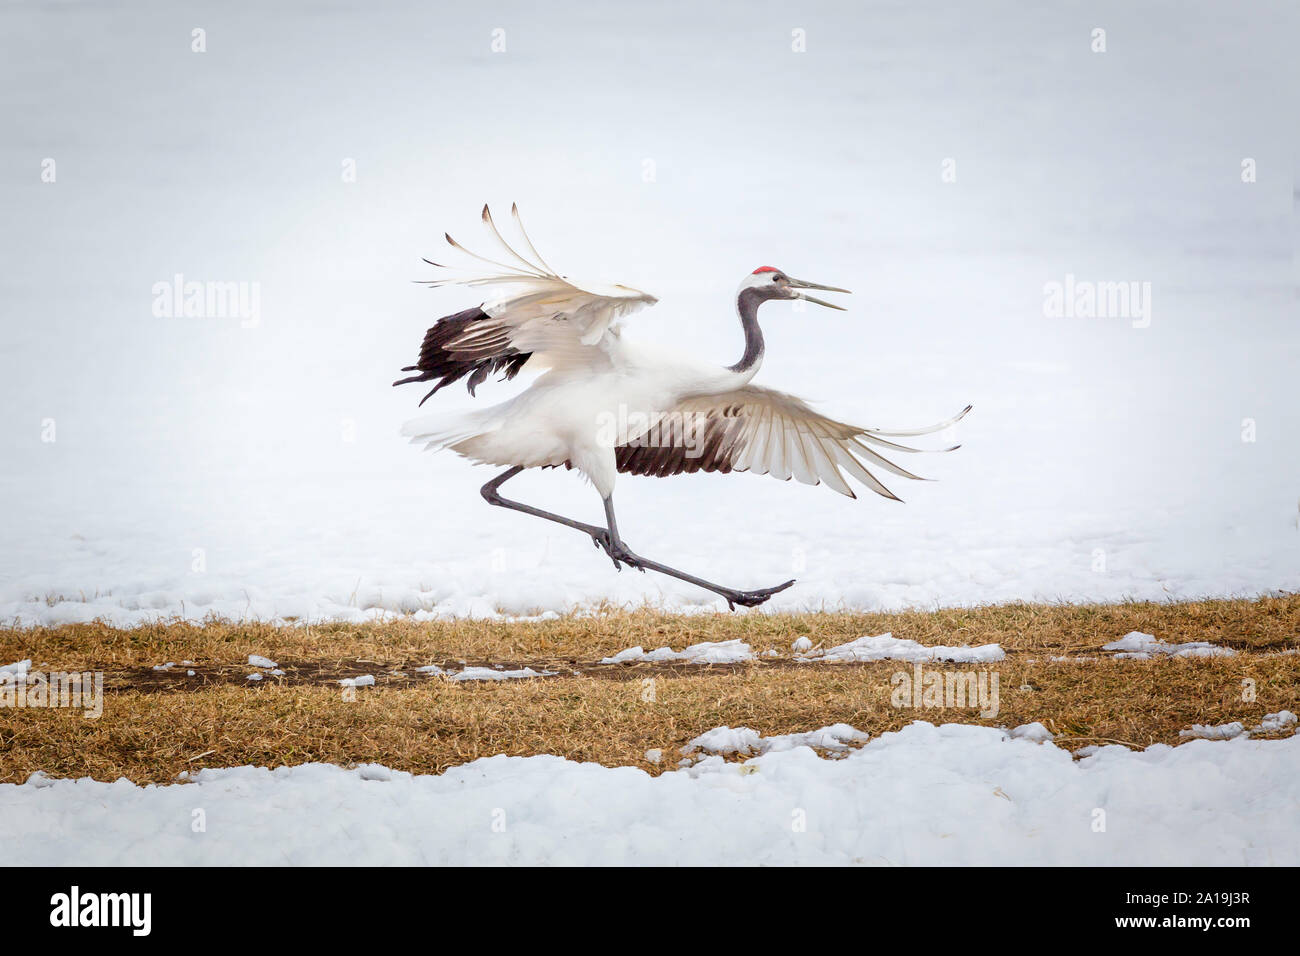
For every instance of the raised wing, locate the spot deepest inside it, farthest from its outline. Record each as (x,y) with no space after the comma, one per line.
(539,315)
(770,433)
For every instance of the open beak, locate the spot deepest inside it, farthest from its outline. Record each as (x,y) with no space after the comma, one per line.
(798,284)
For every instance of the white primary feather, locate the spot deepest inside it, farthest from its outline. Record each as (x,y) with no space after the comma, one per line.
(538,310)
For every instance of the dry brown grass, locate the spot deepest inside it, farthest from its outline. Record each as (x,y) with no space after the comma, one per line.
(1265,624)
(155,727)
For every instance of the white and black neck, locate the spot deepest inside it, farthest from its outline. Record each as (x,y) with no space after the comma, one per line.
(762,284)
(747,303)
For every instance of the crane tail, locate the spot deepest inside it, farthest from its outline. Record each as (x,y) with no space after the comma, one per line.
(436,432)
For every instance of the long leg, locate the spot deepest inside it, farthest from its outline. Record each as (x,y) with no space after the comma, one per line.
(609,540)
(599,536)
(620,552)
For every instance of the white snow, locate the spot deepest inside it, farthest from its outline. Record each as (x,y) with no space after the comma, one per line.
(725,740)
(365,680)
(487,673)
(1215,732)
(707,652)
(886,647)
(169,466)
(254,677)
(743,740)
(257,660)
(1138,646)
(15,673)
(1276,723)
(836,737)
(948,795)
(1035,732)
(801,645)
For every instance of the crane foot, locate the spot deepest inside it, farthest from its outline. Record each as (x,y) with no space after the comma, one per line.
(617,551)
(621,555)
(752,598)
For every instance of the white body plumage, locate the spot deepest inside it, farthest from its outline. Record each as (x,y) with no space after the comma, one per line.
(579,412)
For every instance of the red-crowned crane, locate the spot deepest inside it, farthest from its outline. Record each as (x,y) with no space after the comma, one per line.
(607,404)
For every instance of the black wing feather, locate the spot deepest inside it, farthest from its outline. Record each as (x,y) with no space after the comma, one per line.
(664,451)
(443,365)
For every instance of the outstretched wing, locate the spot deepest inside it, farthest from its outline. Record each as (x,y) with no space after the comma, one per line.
(769,433)
(539,315)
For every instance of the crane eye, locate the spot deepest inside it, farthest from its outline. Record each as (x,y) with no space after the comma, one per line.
(776,278)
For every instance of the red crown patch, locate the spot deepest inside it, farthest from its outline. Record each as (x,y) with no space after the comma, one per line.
(763,269)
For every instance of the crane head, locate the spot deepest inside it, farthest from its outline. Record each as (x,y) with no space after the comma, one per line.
(768,282)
